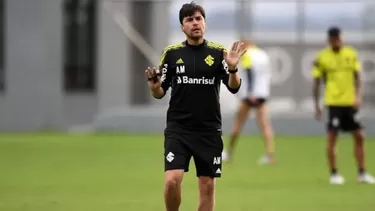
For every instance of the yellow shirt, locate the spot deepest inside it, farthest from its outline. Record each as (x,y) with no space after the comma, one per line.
(246,61)
(337,69)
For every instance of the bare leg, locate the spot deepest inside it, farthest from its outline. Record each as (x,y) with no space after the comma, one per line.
(359,150)
(206,194)
(267,131)
(331,144)
(239,121)
(172,189)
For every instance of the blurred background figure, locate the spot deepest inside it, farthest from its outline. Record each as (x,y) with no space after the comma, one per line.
(338,68)
(255,91)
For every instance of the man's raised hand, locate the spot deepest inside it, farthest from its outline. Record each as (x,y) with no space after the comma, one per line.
(232,58)
(153,78)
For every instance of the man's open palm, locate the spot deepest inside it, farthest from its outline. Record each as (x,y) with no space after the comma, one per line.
(232,58)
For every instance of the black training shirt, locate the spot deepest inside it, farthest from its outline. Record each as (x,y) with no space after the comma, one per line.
(194,73)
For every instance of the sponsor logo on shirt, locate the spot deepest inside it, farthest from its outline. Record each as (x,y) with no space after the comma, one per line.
(202,80)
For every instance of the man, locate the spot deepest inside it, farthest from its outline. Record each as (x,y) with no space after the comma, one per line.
(340,70)
(254,93)
(194,69)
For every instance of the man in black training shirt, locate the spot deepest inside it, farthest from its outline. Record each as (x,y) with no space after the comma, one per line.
(194,69)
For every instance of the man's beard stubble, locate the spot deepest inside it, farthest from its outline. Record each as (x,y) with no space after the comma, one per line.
(194,37)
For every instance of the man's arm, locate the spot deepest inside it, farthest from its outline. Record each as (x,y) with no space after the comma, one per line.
(164,82)
(316,91)
(358,78)
(358,85)
(317,74)
(158,92)
(234,80)
(231,80)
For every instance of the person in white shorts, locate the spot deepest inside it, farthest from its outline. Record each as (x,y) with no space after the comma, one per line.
(254,93)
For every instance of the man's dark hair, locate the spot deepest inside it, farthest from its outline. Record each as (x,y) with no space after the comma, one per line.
(189,9)
(334,32)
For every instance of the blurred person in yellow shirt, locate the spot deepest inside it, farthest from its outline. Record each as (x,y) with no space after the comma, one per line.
(339,68)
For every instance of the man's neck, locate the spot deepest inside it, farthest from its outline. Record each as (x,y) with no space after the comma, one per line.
(195,42)
(336,49)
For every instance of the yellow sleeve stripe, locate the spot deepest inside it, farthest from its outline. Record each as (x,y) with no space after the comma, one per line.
(215,45)
(169,48)
(246,61)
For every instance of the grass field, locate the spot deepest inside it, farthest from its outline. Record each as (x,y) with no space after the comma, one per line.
(125,172)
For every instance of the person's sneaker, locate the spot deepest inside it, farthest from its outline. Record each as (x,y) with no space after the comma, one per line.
(266,160)
(366,178)
(336,179)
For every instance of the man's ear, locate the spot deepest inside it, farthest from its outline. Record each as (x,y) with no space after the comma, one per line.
(182,28)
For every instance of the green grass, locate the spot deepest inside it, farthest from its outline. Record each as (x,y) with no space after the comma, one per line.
(125,172)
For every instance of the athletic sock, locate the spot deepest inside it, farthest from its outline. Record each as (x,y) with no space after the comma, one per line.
(361,171)
(333,171)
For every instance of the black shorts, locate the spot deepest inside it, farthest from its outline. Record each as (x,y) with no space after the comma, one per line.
(206,150)
(343,118)
(259,101)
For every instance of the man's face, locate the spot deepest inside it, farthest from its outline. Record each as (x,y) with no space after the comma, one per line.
(194,26)
(335,42)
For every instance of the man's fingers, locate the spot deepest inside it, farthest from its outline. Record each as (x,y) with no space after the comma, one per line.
(152,74)
(235,46)
(152,71)
(156,71)
(238,47)
(243,51)
(241,48)
(149,72)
